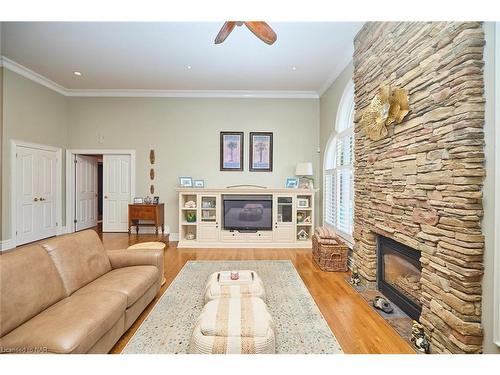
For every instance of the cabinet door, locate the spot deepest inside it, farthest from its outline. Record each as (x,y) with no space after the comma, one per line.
(208,232)
(284,233)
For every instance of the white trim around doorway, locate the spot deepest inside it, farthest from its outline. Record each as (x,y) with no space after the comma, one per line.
(70,178)
(13,178)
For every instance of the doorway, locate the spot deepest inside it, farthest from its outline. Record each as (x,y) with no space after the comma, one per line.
(99,186)
(35,192)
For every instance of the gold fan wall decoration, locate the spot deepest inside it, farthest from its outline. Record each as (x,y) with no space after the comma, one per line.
(387,106)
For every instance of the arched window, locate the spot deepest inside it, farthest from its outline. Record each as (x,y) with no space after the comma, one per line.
(338,186)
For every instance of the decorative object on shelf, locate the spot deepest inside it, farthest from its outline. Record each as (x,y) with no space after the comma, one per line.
(302,202)
(307,220)
(418,338)
(302,235)
(235,275)
(207,204)
(300,217)
(231,151)
(280,218)
(190,236)
(191,217)
(199,183)
(304,171)
(261,152)
(138,200)
(152,156)
(186,181)
(292,182)
(152,189)
(190,204)
(156,200)
(355,279)
(152,174)
(386,107)
(383,304)
(148,200)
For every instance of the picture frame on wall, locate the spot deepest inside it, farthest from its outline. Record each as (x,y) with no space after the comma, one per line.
(185,181)
(261,152)
(231,151)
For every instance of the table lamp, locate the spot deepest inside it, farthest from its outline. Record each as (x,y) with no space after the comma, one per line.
(304,171)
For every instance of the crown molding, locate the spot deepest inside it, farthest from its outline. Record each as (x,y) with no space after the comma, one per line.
(35,77)
(38,78)
(195,94)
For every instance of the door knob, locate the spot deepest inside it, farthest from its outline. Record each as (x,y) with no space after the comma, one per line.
(35,199)
(42,199)
(105,197)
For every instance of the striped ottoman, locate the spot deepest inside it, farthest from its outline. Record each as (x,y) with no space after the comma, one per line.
(234,326)
(220,285)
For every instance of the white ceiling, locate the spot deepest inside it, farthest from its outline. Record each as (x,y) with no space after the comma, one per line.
(155,56)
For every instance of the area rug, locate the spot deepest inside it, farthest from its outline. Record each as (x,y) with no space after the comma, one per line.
(300,328)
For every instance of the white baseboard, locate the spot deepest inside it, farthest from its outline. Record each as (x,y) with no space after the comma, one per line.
(6,245)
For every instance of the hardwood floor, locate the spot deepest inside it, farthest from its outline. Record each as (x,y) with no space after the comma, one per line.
(357,327)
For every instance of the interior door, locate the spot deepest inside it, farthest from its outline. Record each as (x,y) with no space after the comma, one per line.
(117,191)
(36,194)
(86,192)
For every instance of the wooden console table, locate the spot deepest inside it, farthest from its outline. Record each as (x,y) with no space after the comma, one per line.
(149,212)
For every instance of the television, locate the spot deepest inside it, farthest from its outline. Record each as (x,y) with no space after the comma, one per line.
(247,213)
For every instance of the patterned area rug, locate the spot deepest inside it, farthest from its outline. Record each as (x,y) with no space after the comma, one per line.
(300,328)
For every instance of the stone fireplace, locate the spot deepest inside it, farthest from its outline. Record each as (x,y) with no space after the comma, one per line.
(421,185)
(398,275)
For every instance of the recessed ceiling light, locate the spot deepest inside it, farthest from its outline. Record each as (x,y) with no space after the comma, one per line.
(76,73)
(294,67)
(188,67)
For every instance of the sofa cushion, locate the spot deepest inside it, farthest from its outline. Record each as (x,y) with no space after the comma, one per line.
(132,282)
(72,325)
(29,284)
(79,257)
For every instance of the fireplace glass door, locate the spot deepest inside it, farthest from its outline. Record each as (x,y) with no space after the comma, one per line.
(399,273)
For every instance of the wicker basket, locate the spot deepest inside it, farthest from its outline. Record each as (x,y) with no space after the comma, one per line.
(331,258)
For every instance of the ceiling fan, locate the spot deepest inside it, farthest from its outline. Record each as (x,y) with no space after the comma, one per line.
(261,30)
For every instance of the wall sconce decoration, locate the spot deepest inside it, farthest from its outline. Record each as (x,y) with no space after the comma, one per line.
(152,189)
(387,106)
(152,174)
(152,156)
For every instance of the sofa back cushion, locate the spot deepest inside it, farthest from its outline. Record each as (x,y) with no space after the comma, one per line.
(79,257)
(29,283)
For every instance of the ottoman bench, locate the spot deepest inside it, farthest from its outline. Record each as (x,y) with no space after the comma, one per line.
(234,326)
(220,285)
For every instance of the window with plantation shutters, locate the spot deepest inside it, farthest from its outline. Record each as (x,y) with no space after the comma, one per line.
(338,186)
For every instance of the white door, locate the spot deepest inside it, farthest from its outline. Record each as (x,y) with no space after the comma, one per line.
(86,192)
(116,191)
(36,194)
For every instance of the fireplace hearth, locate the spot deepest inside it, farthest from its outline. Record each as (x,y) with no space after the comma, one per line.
(398,275)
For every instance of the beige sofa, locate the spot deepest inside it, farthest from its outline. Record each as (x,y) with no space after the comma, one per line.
(68,295)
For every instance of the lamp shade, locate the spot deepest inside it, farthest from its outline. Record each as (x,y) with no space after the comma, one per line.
(304,169)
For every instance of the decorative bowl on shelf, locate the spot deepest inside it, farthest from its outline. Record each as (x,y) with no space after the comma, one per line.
(191,217)
(190,236)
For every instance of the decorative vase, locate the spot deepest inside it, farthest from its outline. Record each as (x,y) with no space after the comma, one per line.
(191,217)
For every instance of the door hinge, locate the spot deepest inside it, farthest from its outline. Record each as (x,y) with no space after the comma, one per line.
(75,221)
(76,161)
(57,224)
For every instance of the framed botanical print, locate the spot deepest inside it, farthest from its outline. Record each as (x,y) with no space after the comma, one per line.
(261,152)
(231,151)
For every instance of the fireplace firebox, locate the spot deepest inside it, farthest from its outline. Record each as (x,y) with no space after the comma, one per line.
(398,275)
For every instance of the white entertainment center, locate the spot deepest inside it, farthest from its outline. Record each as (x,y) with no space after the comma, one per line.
(248,217)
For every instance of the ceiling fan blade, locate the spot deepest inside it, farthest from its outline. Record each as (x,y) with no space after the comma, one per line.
(225,31)
(262,31)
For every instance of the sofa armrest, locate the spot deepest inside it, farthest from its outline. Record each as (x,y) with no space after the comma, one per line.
(143,257)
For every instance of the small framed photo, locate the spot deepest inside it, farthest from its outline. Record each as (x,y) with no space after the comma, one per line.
(261,152)
(302,202)
(186,181)
(231,151)
(156,200)
(292,182)
(199,183)
(138,200)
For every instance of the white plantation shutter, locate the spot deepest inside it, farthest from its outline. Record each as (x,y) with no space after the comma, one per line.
(338,171)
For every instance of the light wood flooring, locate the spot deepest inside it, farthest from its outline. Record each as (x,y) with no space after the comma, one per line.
(357,327)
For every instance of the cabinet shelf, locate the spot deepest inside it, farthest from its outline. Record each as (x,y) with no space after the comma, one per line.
(188,223)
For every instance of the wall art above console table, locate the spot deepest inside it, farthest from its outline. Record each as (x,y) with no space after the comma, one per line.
(245,217)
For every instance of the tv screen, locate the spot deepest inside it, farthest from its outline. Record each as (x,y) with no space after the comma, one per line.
(248,213)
